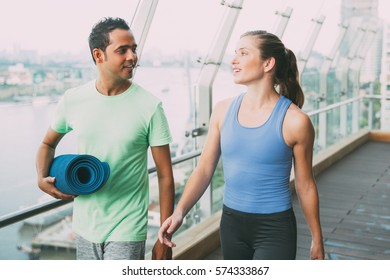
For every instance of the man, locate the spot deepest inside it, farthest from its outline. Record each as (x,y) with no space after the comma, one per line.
(116,121)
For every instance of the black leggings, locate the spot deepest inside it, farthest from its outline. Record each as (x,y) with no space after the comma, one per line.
(247,236)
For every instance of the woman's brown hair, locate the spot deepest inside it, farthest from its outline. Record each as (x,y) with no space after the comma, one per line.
(286,74)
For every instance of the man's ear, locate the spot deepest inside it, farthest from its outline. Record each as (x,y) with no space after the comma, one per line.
(98,55)
(269,64)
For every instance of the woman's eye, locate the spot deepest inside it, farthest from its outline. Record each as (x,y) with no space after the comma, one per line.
(241,53)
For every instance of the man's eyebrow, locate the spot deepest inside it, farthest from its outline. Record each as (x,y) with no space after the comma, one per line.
(133,47)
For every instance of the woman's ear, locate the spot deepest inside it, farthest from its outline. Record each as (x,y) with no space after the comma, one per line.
(269,64)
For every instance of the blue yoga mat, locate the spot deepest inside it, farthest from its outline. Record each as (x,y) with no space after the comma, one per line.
(79,174)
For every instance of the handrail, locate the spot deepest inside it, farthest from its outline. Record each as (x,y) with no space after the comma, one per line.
(333,106)
(377,96)
(345,102)
(28,212)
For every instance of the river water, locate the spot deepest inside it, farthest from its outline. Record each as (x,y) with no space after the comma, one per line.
(22,127)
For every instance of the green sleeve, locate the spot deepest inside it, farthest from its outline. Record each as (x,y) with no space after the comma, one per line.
(159,133)
(59,122)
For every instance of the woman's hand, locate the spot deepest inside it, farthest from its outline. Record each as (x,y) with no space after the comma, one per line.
(169,227)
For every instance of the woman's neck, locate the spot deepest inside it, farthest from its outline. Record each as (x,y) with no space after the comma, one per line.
(261,95)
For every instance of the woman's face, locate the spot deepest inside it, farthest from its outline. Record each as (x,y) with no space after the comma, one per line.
(247,63)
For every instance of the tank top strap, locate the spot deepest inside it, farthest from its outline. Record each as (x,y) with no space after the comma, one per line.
(233,109)
(280,110)
(236,103)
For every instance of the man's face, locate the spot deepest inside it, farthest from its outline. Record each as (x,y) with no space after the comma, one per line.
(120,57)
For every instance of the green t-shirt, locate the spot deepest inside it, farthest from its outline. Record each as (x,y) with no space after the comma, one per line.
(118,130)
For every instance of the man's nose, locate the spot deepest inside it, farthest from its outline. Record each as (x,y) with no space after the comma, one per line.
(131,55)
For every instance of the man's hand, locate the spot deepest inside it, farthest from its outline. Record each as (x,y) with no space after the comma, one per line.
(47,185)
(161,251)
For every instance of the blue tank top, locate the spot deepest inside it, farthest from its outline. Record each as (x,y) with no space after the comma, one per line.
(256,162)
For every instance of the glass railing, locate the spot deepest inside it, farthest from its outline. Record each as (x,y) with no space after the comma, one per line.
(43,231)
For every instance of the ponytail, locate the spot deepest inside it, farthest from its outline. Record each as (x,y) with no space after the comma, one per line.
(289,80)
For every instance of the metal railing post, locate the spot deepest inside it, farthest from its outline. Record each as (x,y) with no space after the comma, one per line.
(203,87)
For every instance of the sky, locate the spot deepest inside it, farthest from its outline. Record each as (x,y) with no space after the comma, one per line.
(53,25)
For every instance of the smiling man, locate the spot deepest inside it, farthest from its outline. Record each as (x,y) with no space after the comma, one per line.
(116,121)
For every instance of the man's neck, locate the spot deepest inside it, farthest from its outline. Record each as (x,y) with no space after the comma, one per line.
(112,88)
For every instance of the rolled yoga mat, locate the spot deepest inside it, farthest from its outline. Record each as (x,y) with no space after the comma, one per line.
(79,174)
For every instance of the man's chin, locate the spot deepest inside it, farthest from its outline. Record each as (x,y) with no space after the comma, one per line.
(129,76)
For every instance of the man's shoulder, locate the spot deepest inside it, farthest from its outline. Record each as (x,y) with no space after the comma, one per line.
(146,94)
(83,88)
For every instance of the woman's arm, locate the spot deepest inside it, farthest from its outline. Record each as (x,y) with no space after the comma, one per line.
(301,137)
(200,178)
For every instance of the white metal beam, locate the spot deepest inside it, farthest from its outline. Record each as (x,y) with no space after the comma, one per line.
(141,22)
(322,125)
(283,21)
(309,43)
(329,60)
(203,86)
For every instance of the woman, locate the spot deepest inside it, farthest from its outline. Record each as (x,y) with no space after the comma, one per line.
(258,134)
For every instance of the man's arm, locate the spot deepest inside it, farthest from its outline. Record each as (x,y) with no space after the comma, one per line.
(44,159)
(162,159)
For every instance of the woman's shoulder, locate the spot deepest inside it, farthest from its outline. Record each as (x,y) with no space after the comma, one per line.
(296,116)
(296,119)
(222,106)
(225,103)
(297,124)
(220,109)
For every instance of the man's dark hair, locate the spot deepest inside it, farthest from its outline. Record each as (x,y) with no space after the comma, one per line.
(99,37)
